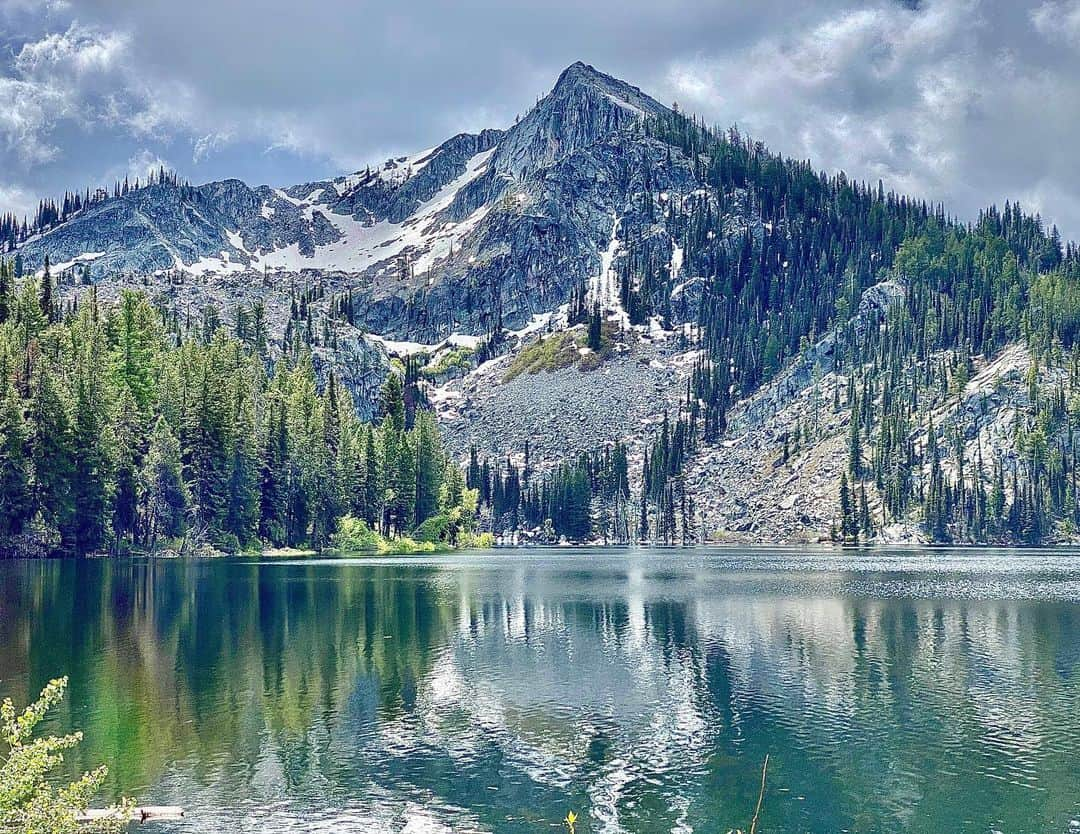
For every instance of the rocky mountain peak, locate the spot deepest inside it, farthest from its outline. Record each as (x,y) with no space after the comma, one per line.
(581,79)
(584,107)
(580,73)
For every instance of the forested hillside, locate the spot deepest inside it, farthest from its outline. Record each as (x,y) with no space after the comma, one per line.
(968,290)
(788,287)
(122,430)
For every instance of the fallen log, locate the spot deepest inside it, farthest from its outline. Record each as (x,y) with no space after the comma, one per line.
(145,813)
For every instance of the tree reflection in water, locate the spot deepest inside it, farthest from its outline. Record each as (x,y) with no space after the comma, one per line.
(495,692)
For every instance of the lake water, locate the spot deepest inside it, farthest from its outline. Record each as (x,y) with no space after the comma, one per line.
(893,691)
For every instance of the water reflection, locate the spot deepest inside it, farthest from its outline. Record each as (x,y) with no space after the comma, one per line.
(906,692)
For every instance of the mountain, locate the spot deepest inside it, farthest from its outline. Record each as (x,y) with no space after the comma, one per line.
(707,338)
(507,221)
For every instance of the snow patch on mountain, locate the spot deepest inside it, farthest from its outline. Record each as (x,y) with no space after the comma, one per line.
(85,258)
(604,286)
(362,245)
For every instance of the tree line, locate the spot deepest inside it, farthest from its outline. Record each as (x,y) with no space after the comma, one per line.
(120,432)
(50,212)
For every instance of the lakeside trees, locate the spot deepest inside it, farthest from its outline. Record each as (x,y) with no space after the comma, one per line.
(116,433)
(581,499)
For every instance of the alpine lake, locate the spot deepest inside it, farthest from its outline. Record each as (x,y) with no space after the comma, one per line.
(900,690)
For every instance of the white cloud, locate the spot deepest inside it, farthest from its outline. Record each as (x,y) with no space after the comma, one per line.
(942,101)
(27,112)
(36,7)
(139,166)
(209,144)
(18,200)
(62,76)
(71,55)
(86,76)
(1058,20)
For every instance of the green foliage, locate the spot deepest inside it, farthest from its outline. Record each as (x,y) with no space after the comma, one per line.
(477,541)
(565,349)
(435,529)
(595,328)
(969,290)
(559,350)
(458,358)
(121,430)
(407,546)
(30,800)
(354,536)
(15,498)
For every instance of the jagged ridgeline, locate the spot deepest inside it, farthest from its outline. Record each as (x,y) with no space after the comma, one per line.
(700,338)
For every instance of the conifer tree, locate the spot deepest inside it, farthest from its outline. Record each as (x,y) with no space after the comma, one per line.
(51,452)
(595,327)
(48,308)
(165,494)
(849,529)
(15,498)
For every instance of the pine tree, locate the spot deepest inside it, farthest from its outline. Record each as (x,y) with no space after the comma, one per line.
(15,498)
(130,442)
(373,483)
(429,468)
(849,529)
(48,308)
(51,452)
(273,489)
(243,505)
(865,523)
(162,484)
(92,481)
(595,327)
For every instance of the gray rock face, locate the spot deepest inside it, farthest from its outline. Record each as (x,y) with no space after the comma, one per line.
(167,226)
(585,107)
(492,227)
(564,412)
(819,359)
(360,364)
(686,300)
(551,190)
(384,195)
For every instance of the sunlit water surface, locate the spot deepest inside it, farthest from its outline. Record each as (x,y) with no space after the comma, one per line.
(921,691)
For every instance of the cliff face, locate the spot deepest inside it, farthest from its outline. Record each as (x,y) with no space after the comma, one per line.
(486,230)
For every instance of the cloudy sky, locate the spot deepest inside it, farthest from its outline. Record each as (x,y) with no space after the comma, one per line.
(964,101)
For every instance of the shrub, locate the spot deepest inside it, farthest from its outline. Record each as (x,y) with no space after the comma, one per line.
(29,800)
(459,358)
(435,529)
(478,541)
(406,546)
(559,350)
(228,543)
(353,534)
